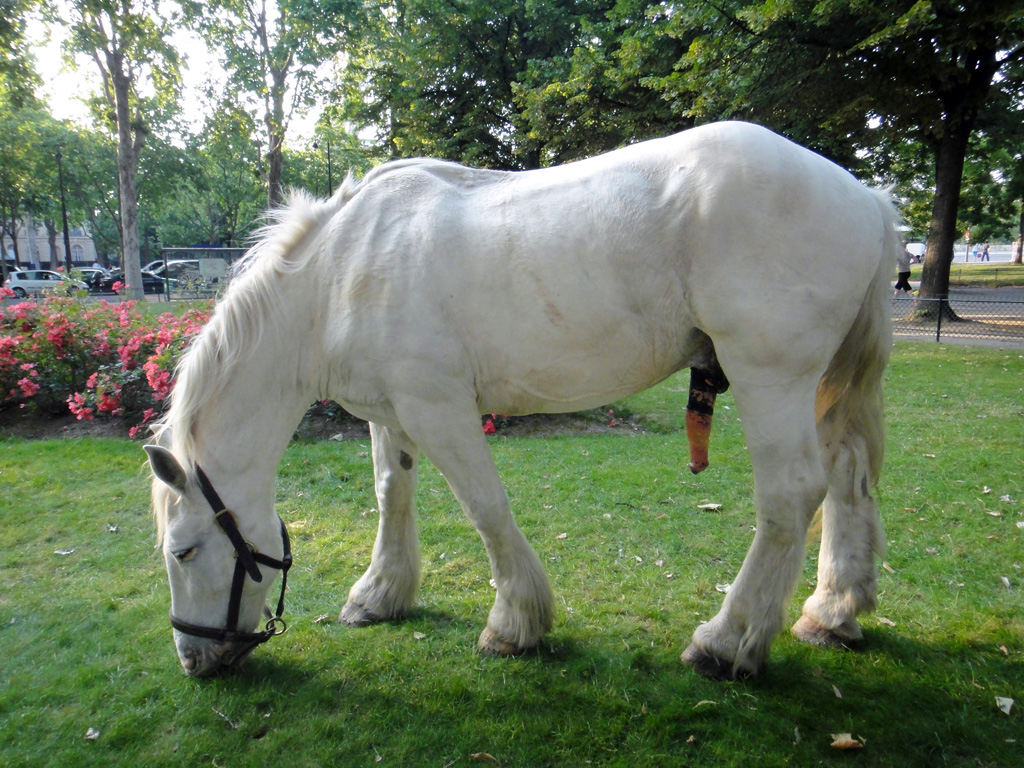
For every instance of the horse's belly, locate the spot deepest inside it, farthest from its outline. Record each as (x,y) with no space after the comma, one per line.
(551,378)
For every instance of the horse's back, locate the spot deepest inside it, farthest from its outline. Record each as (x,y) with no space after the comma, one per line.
(578,284)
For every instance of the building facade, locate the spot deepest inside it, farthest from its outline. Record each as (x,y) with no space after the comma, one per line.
(34,249)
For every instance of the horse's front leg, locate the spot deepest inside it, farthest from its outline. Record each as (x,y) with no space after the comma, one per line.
(389,586)
(454,441)
(789,484)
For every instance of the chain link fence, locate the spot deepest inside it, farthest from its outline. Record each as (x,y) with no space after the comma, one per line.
(967,321)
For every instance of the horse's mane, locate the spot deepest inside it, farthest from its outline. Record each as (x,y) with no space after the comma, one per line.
(250,302)
(254,295)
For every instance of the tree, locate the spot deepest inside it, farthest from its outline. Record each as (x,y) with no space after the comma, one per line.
(128,41)
(818,69)
(270,49)
(465,79)
(217,192)
(18,77)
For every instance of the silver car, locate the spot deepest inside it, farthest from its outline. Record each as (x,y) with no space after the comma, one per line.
(35,282)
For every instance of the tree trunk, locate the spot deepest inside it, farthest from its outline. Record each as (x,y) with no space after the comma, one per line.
(127,161)
(950,152)
(51,239)
(275,138)
(30,238)
(14,236)
(1020,236)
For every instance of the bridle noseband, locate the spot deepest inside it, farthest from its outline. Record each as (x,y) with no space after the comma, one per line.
(246,560)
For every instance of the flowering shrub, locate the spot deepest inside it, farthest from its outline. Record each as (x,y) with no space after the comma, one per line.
(98,359)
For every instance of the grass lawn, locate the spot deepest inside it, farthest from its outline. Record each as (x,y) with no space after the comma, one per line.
(979,274)
(89,677)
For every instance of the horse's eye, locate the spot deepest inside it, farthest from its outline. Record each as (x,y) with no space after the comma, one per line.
(184,555)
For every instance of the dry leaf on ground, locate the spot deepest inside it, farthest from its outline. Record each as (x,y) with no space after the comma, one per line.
(846,741)
(1004,704)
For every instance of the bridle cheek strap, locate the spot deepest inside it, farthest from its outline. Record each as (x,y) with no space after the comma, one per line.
(246,559)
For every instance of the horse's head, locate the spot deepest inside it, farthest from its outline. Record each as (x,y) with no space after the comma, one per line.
(213,560)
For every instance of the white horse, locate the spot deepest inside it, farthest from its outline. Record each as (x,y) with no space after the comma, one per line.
(429,293)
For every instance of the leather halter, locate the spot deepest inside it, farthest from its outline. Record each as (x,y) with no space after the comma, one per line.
(247,559)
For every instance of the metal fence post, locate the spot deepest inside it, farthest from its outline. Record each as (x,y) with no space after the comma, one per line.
(938,323)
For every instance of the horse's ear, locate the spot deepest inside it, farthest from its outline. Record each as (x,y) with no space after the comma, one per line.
(166,467)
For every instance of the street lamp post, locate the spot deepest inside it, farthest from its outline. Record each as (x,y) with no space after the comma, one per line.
(64,214)
(330,179)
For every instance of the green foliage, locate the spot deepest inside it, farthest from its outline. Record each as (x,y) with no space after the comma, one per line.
(86,644)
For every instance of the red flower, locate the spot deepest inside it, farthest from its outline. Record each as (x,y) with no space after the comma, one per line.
(489,428)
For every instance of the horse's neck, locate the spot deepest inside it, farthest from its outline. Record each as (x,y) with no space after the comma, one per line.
(245,431)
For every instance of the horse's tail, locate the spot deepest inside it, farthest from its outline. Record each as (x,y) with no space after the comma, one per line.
(849,404)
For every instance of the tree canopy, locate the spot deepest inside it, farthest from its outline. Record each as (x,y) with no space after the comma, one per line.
(925,95)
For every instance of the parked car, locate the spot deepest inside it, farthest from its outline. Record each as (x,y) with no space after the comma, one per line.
(94,277)
(34,282)
(185,269)
(150,282)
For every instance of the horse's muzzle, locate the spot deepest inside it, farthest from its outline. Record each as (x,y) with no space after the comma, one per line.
(205,658)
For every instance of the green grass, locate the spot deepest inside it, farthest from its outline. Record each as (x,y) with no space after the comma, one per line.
(980,274)
(85,643)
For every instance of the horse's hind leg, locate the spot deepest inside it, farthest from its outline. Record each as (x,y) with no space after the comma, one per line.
(851,535)
(388,587)
(789,484)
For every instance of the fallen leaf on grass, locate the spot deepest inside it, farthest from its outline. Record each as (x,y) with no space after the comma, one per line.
(846,741)
(1006,581)
(419,636)
(322,618)
(888,567)
(837,692)
(709,507)
(1020,523)
(64,552)
(723,588)
(929,455)
(931,550)
(92,734)
(1004,704)
(887,622)
(562,536)
(482,757)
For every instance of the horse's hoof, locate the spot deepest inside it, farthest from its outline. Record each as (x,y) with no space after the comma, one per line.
(490,644)
(706,665)
(355,615)
(810,631)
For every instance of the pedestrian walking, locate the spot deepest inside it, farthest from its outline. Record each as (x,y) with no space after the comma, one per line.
(902,273)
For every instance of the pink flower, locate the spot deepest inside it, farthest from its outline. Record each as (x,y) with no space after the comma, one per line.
(116,287)
(28,387)
(6,293)
(76,404)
